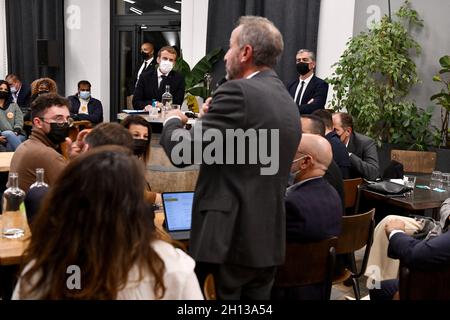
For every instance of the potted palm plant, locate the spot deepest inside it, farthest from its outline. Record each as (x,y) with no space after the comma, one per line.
(198,78)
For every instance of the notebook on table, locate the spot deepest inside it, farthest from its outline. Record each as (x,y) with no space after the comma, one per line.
(178,214)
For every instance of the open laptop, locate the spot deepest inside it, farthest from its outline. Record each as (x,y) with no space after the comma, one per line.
(178,213)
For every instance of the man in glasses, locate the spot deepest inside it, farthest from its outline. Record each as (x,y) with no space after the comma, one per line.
(51,122)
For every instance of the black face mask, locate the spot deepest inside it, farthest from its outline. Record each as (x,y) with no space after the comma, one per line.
(145,55)
(58,134)
(140,147)
(302,68)
(4,95)
(40,93)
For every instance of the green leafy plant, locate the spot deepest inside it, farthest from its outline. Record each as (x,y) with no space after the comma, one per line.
(195,78)
(443,98)
(373,77)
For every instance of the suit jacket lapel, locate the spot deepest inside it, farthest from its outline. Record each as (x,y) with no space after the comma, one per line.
(307,95)
(351,144)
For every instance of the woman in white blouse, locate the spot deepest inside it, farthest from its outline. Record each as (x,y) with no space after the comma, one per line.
(94,238)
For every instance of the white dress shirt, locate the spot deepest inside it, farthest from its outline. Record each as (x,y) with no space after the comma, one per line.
(307,80)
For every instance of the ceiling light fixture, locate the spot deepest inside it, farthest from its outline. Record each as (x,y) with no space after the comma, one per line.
(171,9)
(130,1)
(137,11)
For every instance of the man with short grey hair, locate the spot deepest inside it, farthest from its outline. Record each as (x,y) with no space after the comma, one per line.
(238,217)
(309,92)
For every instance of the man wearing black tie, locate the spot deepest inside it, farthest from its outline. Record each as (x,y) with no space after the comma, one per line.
(151,85)
(148,64)
(309,92)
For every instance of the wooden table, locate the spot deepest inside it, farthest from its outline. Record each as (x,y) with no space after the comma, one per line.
(12,250)
(421,199)
(5,161)
(156,120)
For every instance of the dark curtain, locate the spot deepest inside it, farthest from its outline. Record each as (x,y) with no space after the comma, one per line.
(297,20)
(30,20)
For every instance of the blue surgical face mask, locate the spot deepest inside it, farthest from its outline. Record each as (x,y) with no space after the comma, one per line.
(13,89)
(85,95)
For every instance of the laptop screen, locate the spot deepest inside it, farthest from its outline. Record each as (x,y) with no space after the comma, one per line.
(178,210)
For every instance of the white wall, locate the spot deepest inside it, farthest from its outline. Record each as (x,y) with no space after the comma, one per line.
(87,47)
(3,42)
(194,25)
(335,29)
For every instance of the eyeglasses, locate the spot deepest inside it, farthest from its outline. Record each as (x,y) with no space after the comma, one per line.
(60,122)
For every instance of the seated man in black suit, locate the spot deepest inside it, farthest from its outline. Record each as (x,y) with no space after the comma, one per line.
(83,106)
(20,92)
(340,154)
(313,207)
(152,85)
(309,92)
(362,150)
(431,253)
(313,125)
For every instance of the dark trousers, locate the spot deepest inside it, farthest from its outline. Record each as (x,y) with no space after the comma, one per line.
(386,292)
(234,282)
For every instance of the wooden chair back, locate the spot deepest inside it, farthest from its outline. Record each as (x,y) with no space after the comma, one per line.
(308,263)
(415,161)
(357,232)
(209,288)
(424,284)
(351,193)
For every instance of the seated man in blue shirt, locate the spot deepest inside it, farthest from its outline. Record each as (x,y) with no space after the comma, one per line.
(83,106)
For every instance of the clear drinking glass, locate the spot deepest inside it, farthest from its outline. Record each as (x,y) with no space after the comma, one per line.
(409,181)
(436,180)
(446,180)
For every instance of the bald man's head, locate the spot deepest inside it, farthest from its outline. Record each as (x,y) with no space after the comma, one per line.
(315,156)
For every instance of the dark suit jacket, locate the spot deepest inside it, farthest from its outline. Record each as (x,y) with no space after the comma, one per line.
(147,88)
(313,211)
(95,109)
(238,215)
(334,177)
(317,89)
(364,157)
(23,99)
(434,252)
(340,154)
(131,85)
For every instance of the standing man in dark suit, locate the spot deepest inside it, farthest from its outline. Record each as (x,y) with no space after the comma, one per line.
(83,106)
(362,150)
(238,216)
(20,92)
(152,84)
(309,92)
(148,64)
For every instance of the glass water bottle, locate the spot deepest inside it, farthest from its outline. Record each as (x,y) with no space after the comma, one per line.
(166,100)
(39,179)
(13,209)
